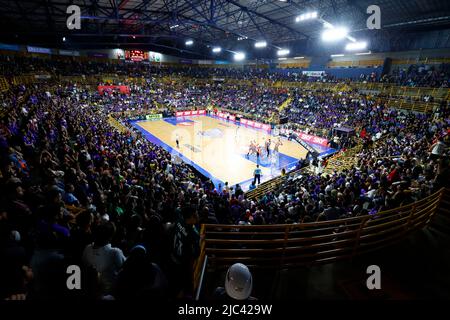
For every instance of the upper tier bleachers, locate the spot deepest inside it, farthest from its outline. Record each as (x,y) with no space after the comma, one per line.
(433,72)
(355,63)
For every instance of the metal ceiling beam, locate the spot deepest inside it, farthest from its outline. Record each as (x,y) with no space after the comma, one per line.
(123,4)
(213,23)
(256,25)
(361,11)
(21,10)
(202,14)
(244,8)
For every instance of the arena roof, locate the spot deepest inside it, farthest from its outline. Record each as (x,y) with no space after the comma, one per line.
(166,24)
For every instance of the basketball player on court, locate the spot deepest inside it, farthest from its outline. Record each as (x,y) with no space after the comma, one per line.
(251,149)
(258,153)
(277,145)
(177,140)
(268,143)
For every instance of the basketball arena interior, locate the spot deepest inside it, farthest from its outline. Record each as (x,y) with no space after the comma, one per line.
(224,150)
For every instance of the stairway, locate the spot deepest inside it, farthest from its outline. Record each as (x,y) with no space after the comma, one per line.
(4,85)
(285,104)
(275,117)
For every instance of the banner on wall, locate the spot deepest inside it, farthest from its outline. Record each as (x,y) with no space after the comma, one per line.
(39,50)
(42,76)
(255,124)
(227,116)
(314,73)
(246,122)
(306,145)
(118,54)
(305,137)
(190,113)
(186,61)
(109,89)
(97,54)
(312,139)
(71,53)
(154,56)
(154,116)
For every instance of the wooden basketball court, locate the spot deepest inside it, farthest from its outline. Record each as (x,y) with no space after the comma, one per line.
(218,148)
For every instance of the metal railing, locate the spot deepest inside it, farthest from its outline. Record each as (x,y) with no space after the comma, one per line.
(290,245)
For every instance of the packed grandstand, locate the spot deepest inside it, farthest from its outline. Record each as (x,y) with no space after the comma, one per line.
(76,176)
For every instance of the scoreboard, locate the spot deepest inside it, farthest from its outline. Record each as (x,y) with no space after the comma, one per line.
(136,55)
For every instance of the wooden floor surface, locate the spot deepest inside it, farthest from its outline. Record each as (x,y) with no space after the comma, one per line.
(219,148)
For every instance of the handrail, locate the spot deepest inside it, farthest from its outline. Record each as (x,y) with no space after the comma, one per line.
(198,288)
(200,263)
(285,245)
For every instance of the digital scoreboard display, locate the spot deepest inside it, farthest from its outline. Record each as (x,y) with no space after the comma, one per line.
(136,55)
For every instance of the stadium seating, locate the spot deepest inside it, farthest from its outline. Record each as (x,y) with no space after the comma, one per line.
(70,159)
(283,246)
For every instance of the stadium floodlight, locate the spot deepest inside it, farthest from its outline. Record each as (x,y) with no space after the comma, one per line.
(260,44)
(337,55)
(189,42)
(217,49)
(174,26)
(64,39)
(355,46)
(239,56)
(283,52)
(307,16)
(327,25)
(282,58)
(334,34)
(299,58)
(242,38)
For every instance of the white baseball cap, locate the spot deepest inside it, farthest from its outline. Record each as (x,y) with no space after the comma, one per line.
(238,282)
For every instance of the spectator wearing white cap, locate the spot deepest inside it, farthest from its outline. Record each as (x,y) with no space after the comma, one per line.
(238,284)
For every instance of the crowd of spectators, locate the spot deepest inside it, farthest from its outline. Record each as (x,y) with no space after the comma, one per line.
(76,191)
(408,161)
(416,75)
(420,75)
(69,179)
